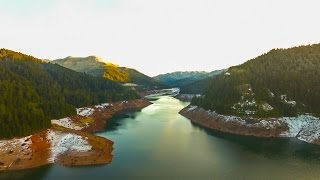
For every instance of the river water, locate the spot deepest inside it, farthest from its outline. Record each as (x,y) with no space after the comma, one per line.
(158,143)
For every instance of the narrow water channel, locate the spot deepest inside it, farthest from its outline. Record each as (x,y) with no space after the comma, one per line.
(158,143)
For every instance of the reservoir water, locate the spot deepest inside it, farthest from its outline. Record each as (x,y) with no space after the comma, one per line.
(158,143)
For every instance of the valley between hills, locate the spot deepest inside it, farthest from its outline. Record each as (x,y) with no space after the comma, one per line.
(50,109)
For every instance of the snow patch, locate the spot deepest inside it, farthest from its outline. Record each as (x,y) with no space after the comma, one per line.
(191,108)
(67,123)
(17,143)
(266,107)
(271,94)
(85,111)
(101,106)
(63,142)
(304,127)
(267,124)
(292,103)
(284,99)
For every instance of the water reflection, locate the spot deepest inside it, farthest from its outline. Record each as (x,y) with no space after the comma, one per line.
(273,148)
(34,174)
(158,143)
(117,120)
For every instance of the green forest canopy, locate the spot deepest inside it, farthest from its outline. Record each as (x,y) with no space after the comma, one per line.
(286,79)
(34,92)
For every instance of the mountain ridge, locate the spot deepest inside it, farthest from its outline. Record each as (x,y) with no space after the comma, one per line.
(34,92)
(189,82)
(95,66)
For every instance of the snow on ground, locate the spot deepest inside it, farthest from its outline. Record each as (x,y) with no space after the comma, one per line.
(63,142)
(67,123)
(17,143)
(266,107)
(304,127)
(270,124)
(85,111)
(190,95)
(102,106)
(191,108)
(285,100)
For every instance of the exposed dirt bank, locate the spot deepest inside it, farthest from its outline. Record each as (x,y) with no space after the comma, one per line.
(55,145)
(232,124)
(68,142)
(93,119)
(304,127)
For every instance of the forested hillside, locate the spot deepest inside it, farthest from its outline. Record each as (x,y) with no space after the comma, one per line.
(189,82)
(172,78)
(282,82)
(95,66)
(142,79)
(34,92)
(114,73)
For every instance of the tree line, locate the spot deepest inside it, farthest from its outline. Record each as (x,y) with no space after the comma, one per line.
(34,92)
(293,72)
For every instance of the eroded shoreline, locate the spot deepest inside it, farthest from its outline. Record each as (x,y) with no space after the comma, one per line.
(93,119)
(55,145)
(69,142)
(304,127)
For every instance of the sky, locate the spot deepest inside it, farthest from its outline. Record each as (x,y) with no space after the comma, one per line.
(158,36)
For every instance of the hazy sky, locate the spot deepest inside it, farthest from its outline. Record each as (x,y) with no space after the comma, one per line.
(158,36)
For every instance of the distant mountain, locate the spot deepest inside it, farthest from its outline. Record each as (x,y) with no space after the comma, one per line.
(171,78)
(95,66)
(89,65)
(190,82)
(33,92)
(282,82)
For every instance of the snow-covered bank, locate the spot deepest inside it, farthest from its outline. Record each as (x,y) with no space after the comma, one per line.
(155,94)
(57,145)
(93,119)
(187,97)
(10,146)
(267,124)
(62,142)
(88,111)
(85,111)
(67,142)
(67,123)
(304,127)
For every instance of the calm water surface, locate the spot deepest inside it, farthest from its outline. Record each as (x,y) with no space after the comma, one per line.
(158,143)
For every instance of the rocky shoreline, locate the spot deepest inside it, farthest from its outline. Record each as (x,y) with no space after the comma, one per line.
(305,127)
(69,142)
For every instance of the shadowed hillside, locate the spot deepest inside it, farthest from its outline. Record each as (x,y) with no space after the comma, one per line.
(34,92)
